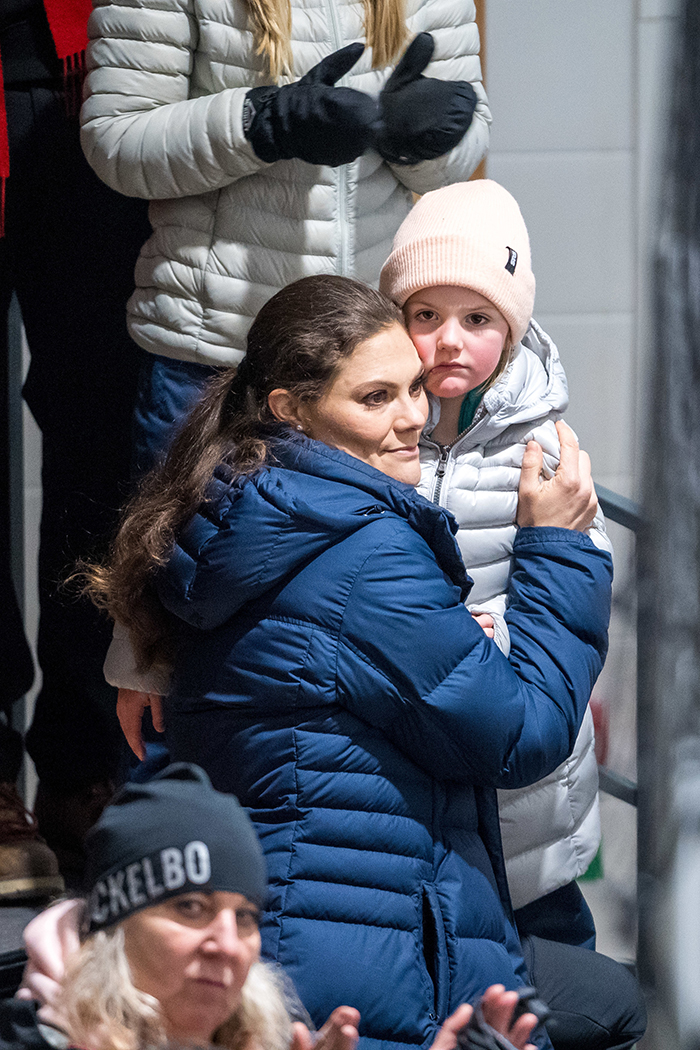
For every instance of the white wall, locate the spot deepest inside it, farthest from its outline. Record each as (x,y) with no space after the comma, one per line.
(579,92)
(576,90)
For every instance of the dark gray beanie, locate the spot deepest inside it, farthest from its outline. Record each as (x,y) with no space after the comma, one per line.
(171,835)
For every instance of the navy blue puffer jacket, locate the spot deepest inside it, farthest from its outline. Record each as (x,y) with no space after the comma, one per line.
(331,677)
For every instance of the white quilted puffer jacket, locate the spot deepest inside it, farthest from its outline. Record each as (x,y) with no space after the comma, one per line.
(551,830)
(162,119)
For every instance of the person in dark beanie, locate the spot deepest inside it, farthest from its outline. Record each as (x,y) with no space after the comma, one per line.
(175,879)
(174,834)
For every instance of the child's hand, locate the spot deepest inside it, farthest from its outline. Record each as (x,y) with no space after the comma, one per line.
(130,707)
(485,621)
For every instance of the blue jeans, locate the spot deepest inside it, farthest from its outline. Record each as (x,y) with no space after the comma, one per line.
(168,391)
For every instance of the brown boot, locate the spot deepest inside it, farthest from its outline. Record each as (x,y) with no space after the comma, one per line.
(64,818)
(28,868)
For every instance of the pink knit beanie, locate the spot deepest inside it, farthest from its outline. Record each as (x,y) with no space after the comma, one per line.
(472,235)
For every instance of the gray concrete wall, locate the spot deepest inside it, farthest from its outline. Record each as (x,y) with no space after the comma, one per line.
(577,92)
(579,95)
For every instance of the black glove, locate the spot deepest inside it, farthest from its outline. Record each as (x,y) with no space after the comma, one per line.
(419,117)
(312,120)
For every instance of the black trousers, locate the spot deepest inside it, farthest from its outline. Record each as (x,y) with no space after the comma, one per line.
(69,251)
(595,1002)
(562,915)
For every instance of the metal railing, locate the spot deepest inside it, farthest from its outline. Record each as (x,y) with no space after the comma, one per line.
(627,513)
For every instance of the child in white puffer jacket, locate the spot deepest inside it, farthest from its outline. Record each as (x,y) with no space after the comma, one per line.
(460,269)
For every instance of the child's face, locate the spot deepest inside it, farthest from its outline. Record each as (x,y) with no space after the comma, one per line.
(459,336)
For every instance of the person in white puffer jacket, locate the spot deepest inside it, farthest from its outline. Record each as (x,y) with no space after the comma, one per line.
(460,269)
(261,169)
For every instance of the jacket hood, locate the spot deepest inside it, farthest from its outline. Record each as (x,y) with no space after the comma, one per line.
(251,532)
(533,385)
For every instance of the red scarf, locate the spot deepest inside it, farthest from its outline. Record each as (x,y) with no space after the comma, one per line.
(68,24)
(4,155)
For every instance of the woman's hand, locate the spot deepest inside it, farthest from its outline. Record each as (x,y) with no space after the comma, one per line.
(130,708)
(50,940)
(497,1006)
(340,1030)
(338,1033)
(566,501)
(421,118)
(312,119)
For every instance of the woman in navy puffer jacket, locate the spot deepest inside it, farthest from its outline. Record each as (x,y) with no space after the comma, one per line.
(327,672)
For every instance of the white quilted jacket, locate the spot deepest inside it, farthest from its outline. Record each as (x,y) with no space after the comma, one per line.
(162,119)
(551,830)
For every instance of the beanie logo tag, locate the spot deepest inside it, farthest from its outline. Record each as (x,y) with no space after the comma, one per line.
(512,259)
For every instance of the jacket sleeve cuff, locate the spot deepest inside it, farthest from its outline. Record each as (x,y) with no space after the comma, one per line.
(535,537)
(120,667)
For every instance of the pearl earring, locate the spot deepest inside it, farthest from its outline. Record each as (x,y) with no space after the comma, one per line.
(300,427)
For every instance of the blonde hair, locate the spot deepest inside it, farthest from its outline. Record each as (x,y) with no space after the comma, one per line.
(503,363)
(102,1009)
(385,31)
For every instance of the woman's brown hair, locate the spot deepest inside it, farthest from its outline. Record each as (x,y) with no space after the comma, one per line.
(385,31)
(296,343)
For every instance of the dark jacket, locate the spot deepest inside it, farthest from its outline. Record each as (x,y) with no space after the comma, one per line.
(20,1029)
(330,675)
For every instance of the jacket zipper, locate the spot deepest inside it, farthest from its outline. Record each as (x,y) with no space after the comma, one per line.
(440,471)
(333,20)
(342,176)
(342,198)
(445,455)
